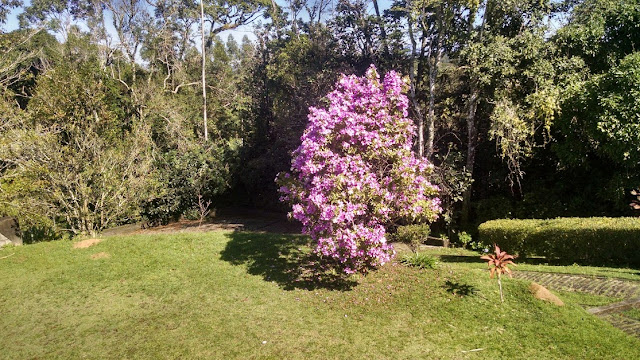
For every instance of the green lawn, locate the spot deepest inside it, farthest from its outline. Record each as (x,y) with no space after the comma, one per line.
(244,295)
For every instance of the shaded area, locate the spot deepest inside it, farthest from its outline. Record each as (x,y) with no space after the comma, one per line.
(469,259)
(234,219)
(460,259)
(459,289)
(285,259)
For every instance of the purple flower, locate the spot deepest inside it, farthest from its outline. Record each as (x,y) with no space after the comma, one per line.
(354,172)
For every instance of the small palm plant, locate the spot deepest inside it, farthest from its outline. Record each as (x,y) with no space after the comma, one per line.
(499,263)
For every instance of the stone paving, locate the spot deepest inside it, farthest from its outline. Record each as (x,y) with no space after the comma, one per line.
(588,284)
(626,289)
(626,324)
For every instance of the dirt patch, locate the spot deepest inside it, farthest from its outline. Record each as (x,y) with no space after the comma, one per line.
(540,292)
(100,255)
(86,243)
(229,219)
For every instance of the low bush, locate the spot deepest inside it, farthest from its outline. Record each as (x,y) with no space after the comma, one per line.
(420,260)
(595,241)
(466,241)
(414,235)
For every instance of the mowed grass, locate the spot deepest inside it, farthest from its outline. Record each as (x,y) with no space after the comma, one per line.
(227,295)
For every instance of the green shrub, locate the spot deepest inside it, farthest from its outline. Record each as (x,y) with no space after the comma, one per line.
(466,240)
(419,260)
(414,235)
(597,241)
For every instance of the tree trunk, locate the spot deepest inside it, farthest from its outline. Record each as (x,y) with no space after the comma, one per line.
(204,82)
(433,78)
(383,30)
(415,72)
(431,115)
(472,142)
(472,126)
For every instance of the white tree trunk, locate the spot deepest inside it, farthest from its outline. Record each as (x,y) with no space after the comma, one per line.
(204,82)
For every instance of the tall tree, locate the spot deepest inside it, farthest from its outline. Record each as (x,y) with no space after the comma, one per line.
(511,81)
(222,16)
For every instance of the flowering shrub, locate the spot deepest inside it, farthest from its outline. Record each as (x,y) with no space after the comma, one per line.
(355,173)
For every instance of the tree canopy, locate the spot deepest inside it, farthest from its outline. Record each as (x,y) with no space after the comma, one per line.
(116,111)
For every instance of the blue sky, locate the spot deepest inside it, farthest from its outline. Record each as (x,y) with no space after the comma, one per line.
(12,21)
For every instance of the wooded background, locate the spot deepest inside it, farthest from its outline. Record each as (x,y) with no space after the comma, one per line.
(528,108)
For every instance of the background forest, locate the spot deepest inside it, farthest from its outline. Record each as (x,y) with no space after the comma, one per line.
(527,108)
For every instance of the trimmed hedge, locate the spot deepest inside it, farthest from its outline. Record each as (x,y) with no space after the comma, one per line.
(595,241)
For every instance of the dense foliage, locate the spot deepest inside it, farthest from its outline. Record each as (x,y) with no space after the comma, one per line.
(414,234)
(355,173)
(525,108)
(581,240)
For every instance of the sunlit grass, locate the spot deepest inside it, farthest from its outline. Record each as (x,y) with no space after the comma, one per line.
(246,295)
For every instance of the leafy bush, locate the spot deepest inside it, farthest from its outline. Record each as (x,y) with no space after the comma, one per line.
(181,178)
(413,235)
(581,240)
(466,240)
(420,260)
(79,160)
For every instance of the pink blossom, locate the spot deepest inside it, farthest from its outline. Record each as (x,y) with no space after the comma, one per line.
(354,172)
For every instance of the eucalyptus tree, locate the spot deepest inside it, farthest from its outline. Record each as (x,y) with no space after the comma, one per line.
(434,29)
(222,16)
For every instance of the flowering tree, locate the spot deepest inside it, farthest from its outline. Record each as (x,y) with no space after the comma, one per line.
(354,173)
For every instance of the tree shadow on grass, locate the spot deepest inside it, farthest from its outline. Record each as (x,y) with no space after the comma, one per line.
(285,259)
(459,289)
(460,259)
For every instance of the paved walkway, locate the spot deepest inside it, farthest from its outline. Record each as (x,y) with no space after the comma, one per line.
(625,289)
(587,284)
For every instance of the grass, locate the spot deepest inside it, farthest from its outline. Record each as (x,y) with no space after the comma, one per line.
(419,260)
(587,300)
(471,259)
(244,295)
(633,313)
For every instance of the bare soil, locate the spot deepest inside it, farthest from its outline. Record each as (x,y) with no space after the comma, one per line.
(86,243)
(229,220)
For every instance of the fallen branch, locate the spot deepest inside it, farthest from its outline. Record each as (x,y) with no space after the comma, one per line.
(4,257)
